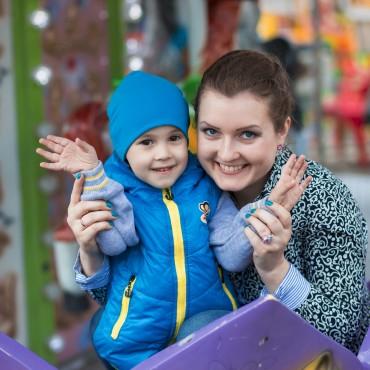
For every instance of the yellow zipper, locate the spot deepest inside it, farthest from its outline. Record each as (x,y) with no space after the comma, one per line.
(124,307)
(226,289)
(179,257)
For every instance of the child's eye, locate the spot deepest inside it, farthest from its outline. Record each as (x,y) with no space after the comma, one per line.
(175,137)
(146,142)
(248,135)
(210,131)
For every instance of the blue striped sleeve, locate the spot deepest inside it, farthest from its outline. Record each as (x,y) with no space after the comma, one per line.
(97,185)
(98,280)
(292,291)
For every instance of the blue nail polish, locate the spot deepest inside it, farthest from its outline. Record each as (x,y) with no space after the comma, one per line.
(114,214)
(109,204)
(253,210)
(247,215)
(269,202)
(110,223)
(78,176)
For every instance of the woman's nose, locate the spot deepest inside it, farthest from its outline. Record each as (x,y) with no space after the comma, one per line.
(227,151)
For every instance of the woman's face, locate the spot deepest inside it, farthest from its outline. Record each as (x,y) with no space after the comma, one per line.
(237,141)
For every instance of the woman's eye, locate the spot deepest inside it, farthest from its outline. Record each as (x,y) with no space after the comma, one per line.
(248,135)
(210,131)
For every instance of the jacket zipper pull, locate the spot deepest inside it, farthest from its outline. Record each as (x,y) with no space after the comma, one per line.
(128,292)
(169,195)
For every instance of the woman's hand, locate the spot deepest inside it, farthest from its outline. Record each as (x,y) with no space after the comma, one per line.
(67,155)
(273,232)
(86,219)
(291,184)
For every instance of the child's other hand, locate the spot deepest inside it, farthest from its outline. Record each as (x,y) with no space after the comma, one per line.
(67,155)
(290,186)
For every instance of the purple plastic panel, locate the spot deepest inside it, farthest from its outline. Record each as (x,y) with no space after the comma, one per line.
(14,356)
(261,335)
(364,353)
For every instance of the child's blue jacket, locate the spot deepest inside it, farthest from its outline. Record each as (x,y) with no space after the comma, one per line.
(170,275)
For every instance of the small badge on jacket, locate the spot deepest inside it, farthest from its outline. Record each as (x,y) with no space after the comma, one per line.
(205,209)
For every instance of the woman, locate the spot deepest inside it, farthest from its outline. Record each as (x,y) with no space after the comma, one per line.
(243,110)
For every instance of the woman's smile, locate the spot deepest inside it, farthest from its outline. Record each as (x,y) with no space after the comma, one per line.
(230,169)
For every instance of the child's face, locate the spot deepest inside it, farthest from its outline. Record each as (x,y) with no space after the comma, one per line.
(159,157)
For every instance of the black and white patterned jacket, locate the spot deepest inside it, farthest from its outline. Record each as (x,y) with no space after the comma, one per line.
(328,246)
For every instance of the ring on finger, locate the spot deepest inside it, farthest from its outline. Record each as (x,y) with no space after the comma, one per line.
(267,239)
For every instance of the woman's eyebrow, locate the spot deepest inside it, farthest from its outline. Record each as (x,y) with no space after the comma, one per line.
(244,128)
(208,124)
(250,127)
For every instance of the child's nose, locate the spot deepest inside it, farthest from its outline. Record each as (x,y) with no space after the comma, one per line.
(162,152)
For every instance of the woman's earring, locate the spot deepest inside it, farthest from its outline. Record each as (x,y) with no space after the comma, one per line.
(279,148)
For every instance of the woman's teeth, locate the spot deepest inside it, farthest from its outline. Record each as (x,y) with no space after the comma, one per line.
(230,169)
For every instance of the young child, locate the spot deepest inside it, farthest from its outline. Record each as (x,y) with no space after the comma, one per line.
(162,269)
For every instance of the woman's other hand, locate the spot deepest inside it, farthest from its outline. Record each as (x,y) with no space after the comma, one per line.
(67,155)
(269,241)
(291,184)
(86,219)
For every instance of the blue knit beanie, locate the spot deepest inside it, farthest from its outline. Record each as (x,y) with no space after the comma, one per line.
(141,102)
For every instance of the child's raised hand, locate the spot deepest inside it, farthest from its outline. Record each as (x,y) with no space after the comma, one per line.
(67,155)
(290,186)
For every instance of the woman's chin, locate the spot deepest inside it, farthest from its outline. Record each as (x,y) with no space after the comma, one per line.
(230,184)
(233,182)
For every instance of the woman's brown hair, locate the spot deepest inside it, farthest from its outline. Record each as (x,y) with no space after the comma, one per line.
(253,71)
